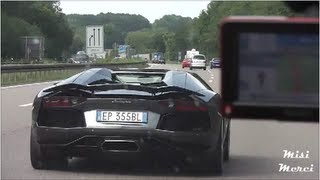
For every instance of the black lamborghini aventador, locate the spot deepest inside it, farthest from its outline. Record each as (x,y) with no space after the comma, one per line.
(150,114)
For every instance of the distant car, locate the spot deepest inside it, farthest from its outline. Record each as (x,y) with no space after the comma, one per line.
(198,61)
(73,61)
(81,53)
(158,61)
(215,62)
(80,58)
(186,62)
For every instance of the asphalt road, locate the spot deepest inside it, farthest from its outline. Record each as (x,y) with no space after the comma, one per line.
(257,147)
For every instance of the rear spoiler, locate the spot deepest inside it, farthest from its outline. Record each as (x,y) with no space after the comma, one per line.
(107,87)
(138,70)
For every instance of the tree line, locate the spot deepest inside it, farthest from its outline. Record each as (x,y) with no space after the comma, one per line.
(34,18)
(172,34)
(65,34)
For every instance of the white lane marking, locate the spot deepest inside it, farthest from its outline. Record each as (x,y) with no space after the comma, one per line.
(25,105)
(209,70)
(210,81)
(211,77)
(25,85)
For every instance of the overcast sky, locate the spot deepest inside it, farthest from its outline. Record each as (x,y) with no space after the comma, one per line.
(150,9)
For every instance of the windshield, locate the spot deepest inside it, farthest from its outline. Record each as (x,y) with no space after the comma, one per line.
(138,78)
(199,57)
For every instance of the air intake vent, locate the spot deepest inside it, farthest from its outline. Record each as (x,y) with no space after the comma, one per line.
(185,121)
(128,146)
(65,118)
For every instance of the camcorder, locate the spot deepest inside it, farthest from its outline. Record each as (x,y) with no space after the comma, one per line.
(270,68)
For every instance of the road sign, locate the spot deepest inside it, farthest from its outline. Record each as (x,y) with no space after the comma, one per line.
(33,46)
(94,40)
(122,48)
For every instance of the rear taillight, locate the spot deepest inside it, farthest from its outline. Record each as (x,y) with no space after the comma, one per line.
(182,105)
(62,101)
(185,121)
(227,109)
(191,108)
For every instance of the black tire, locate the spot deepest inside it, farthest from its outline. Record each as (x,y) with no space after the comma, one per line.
(226,145)
(205,68)
(219,152)
(37,157)
(214,162)
(190,68)
(44,158)
(218,166)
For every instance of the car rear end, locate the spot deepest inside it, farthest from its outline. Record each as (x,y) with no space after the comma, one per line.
(198,61)
(127,120)
(186,62)
(161,61)
(215,63)
(128,125)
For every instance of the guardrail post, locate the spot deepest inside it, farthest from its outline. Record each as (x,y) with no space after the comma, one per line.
(15,77)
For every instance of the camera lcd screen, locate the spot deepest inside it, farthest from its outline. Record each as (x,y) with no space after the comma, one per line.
(278,69)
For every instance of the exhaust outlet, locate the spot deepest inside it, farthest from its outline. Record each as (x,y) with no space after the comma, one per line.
(120,146)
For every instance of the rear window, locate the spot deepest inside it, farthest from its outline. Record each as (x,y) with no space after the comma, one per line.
(199,57)
(138,78)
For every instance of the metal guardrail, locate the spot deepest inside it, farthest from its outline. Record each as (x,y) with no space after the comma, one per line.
(21,74)
(47,67)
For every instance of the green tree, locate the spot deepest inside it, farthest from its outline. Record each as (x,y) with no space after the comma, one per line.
(157,41)
(180,26)
(12,29)
(169,40)
(47,16)
(206,27)
(140,41)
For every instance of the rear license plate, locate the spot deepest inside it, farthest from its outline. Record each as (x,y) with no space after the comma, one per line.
(198,61)
(122,116)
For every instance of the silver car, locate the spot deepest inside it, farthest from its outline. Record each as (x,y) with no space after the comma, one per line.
(198,61)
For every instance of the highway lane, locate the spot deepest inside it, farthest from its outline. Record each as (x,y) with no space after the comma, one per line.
(256,146)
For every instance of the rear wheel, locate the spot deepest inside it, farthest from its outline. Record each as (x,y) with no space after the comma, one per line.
(213,163)
(44,158)
(226,145)
(204,68)
(218,165)
(218,155)
(190,68)
(38,160)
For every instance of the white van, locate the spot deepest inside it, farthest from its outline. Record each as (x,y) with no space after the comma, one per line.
(198,61)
